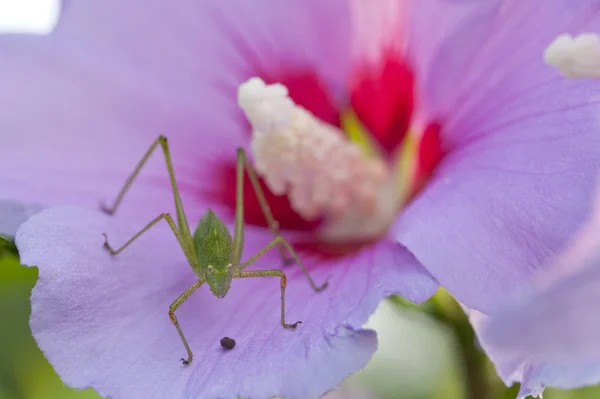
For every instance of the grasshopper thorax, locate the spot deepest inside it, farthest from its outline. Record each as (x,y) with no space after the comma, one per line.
(214,248)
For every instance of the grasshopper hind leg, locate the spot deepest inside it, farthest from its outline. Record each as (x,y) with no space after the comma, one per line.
(287,259)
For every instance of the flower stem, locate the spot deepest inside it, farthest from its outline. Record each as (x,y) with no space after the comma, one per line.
(478,385)
(480,379)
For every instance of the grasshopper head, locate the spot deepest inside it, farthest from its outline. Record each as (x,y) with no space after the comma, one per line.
(219,280)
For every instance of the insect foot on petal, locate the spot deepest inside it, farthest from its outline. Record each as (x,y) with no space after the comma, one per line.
(104,208)
(107,245)
(292,325)
(322,286)
(186,362)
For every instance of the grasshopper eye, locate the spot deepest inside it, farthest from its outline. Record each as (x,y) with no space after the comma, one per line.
(210,268)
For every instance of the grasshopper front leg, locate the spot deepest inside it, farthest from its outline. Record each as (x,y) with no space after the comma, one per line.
(176,304)
(282,241)
(283,284)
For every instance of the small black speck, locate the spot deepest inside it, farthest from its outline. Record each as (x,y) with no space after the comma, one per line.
(227,343)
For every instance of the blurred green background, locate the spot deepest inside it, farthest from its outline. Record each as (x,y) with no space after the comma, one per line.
(419,356)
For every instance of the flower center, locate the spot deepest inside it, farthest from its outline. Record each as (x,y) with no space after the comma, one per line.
(335,175)
(311,162)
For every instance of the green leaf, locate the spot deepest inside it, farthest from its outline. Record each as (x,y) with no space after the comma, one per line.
(7,246)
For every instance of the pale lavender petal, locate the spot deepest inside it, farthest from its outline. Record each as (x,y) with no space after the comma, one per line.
(86,102)
(510,369)
(560,376)
(533,373)
(522,159)
(91,126)
(554,321)
(13,214)
(548,336)
(428,24)
(102,321)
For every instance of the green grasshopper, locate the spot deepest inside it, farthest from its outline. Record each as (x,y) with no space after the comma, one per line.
(215,257)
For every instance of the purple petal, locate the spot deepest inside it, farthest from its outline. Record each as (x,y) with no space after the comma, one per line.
(522,159)
(114,76)
(548,336)
(429,23)
(102,321)
(534,374)
(13,214)
(510,369)
(553,322)
(569,376)
(556,323)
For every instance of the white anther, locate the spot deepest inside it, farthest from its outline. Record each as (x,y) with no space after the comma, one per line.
(575,57)
(267,107)
(309,160)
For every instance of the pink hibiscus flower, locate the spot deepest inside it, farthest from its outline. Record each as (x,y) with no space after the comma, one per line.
(482,160)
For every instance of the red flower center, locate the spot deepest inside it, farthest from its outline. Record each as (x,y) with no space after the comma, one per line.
(383,100)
